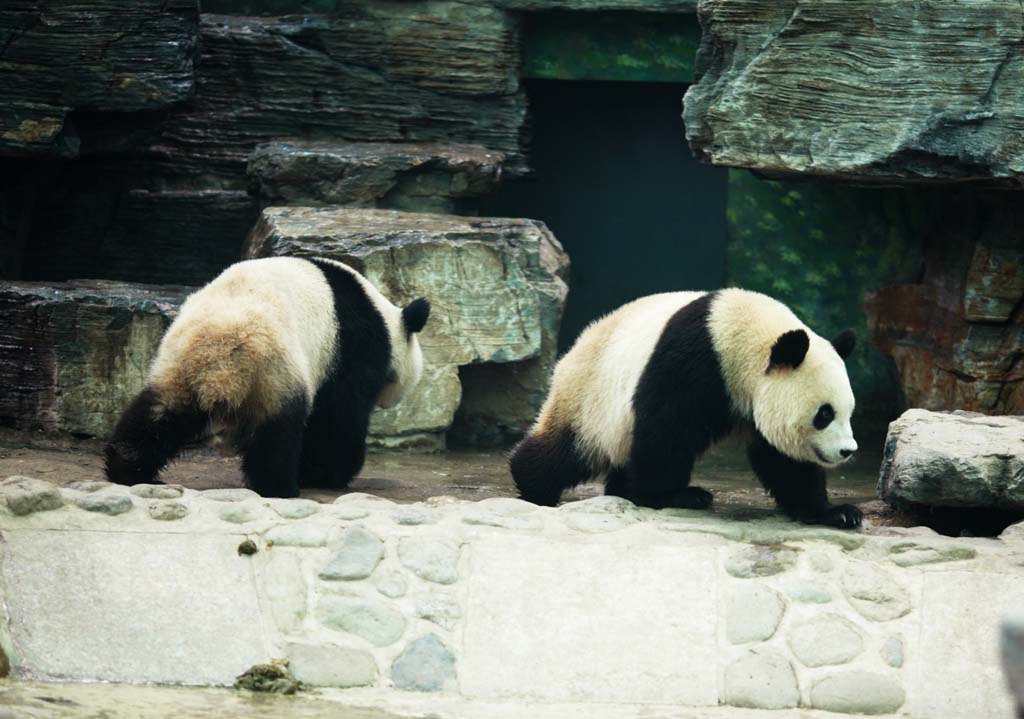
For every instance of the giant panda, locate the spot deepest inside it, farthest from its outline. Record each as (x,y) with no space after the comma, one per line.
(646,389)
(285,358)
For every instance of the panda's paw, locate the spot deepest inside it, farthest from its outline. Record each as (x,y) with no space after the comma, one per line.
(692,498)
(842,516)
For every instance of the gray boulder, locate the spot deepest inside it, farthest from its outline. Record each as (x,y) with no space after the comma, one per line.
(958,459)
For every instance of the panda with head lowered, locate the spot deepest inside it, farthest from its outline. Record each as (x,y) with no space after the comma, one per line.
(283,357)
(646,389)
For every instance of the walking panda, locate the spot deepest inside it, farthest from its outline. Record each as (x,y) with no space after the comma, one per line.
(646,389)
(283,356)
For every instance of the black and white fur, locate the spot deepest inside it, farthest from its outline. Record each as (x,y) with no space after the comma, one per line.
(284,357)
(646,389)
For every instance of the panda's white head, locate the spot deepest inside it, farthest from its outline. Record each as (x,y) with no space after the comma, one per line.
(406,356)
(803,403)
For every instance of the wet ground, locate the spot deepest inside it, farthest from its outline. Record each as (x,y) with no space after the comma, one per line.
(409,477)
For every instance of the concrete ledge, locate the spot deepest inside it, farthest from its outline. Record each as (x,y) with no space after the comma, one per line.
(501,602)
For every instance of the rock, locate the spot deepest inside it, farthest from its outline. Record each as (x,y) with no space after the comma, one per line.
(286,591)
(420,177)
(820,562)
(760,561)
(65,58)
(350,513)
(107,502)
(1011,645)
(506,506)
(414,515)
(247,548)
(157,491)
(761,679)
(892,651)
(294,508)
(327,665)
(393,585)
(649,6)
(958,460)
(74,354)
(431,559)
(490,282)
(493,519)
(25,495)
(806,592)
(911,554)
(240,513)
(88,485)
(605,504)
(824,640)
(272,678)
(874,593)
(232,494)
(359,554)
(441,609)
(297,535)
(426,665)
(375,621)
(858,692)
(763,68)
(167,511)
(1015,532)
(597,523)
(752,614)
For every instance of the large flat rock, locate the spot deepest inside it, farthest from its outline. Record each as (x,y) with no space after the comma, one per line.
(496,288)
(97,55)
(954,460)
(861,90)
(73,354)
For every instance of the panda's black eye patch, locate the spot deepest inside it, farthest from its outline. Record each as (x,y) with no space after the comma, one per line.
(824,416)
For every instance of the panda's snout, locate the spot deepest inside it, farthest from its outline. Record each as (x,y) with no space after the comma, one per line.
(846,453)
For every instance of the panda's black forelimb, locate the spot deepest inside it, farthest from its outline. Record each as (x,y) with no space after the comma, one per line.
(334,443)
(798,487)
(272,449)
(147,437)
(545,465)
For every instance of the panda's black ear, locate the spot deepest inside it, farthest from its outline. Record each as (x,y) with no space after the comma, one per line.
(789,350)
(844,342)
(415,314)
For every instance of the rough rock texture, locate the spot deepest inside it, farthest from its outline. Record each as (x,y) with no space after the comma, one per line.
(443,71)
(858,692)
(826,639)
(418,177)
(426,665)
(954,460)
(359,554)
(376,622)
(861,90)
(752,614)
(653,6)
(330,665)
(96,55)
(875,593)
(497,293)
(1011,645)
(73,354)
(25,495)
(957,334)
(761,679)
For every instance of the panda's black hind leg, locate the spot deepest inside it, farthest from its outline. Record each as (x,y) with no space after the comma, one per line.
(545,465)
(272,449)
(621,483)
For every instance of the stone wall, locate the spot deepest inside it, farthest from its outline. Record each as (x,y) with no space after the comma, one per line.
(625,606)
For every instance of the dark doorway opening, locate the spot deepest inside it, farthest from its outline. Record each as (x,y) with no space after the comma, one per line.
(616,183)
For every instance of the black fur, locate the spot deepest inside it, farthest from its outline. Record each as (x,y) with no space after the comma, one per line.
(844,342)
(798,487)
(147,437)
(789,350)
(543,466)
(334,445)
(271,451)
(415,314)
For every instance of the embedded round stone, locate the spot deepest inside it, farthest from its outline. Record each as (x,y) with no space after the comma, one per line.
(112,503)
(285,586)
(760,561)
(358,555)
(89,485)
(393,585)
(363,499)
(426,665)
(240,513)
(230,494)
(326,665)
(506,505)
(431,559)
(825,640)
(593,523)
(911,554)
(858,692)
(157,491)
(167,511)
(605,503)
(374,621)
(297,535)
(349,513)
(761,679)
(294,508)
(25,495)
(752,614)
(892,651)
(441,609)
(821,562)
(874,593)
(504,521)
(413,515)
(800,590)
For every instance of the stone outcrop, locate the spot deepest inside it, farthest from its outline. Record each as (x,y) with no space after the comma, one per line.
(861,90)
(954,460)
(73,354)
(496,288)
(95,56)
(417,177)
